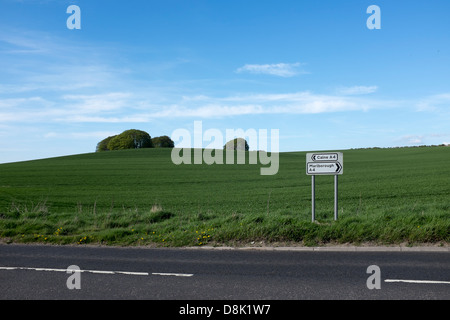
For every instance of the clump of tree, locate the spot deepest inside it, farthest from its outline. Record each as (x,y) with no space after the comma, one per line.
(133,139)
(129,139)
(103,145)
(163,142)
(237,144)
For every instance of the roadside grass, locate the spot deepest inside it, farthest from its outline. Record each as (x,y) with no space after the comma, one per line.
(163,228)
(139,198)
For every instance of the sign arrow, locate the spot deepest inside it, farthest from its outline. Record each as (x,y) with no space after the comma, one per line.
(325,157)
(331,168)
(328,163)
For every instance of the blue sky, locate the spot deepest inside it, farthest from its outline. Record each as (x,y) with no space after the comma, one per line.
(311,69)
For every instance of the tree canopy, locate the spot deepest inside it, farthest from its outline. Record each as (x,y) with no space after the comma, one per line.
(163,142)
(129,139)
(133,139)
(237,144)
(103,145)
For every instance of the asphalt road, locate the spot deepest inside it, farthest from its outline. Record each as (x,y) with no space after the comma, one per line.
(39,272)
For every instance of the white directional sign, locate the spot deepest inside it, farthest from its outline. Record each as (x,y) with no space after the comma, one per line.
(328,156)
(326,163)
(324,168)
(329,163)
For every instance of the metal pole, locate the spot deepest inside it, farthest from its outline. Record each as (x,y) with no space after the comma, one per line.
(313,197)
(335,197)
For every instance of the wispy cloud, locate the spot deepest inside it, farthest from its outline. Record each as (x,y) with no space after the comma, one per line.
(421,139)
(218,107)
(134,107)
(434,103)
(357,90)
(39,61)
(278,69)
(97,103)
(61,79)
(25,43)
(79,135)
(411,139)
(288,103)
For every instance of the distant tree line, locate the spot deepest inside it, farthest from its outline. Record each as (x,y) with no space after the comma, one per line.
(401,147)
(133,139)
(137,139)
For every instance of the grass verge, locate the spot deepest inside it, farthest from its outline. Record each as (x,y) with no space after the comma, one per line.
(132,226)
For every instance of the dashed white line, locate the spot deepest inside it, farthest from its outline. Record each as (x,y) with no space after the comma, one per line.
(173,274)
(133,273)
(34,269)
(100,271)
(418,281)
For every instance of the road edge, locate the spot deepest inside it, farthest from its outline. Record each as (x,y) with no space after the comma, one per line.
(328,249)
(334,248)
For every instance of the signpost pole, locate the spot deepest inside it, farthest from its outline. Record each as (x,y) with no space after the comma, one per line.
(335,197)
(313,197)
(325,163)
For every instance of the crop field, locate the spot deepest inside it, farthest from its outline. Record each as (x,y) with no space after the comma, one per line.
(139,197)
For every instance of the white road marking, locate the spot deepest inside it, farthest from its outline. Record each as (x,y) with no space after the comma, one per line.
(99,271)
(133,273)
(418,281)
(173,274)
(34,269)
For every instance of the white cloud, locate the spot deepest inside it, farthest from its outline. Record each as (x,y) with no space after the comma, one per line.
(26,43)
(278,69)
(211,110)
(434,103)
(104,119)
(116,107)
(14,102)
(79,135)
(423,139)
(39,61)
(68,108)
(412,139)
(357,90)
(61,78)
(97,103)
(289,103)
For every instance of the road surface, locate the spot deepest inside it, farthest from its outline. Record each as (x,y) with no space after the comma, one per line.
(40,272)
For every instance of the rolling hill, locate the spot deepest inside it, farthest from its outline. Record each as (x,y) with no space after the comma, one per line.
(139,197)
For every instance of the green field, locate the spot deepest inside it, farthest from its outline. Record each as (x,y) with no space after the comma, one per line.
(139,197)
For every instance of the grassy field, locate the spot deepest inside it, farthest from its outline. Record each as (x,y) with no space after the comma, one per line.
(138,197)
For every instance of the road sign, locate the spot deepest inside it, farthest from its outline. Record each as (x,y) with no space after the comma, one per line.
(328,163)
(330,168)
(326,157)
